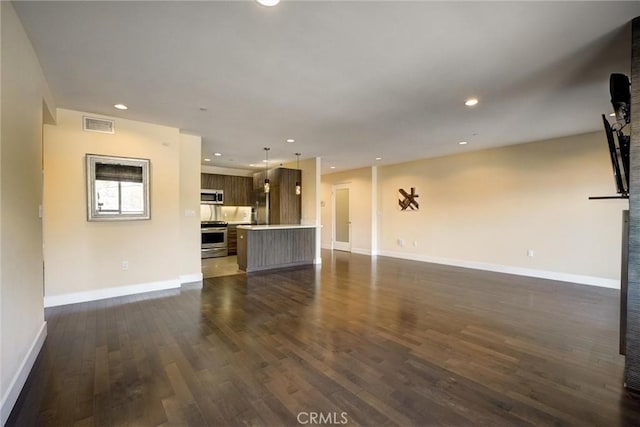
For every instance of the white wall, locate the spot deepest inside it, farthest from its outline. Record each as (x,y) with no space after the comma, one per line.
(360,186)
(84,259)
(24,91)
(190,268)
(487,208)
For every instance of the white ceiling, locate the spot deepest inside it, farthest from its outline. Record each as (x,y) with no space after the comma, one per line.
(350,81)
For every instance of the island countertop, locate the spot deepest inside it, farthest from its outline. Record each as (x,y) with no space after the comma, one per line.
(266,247)
(276,226)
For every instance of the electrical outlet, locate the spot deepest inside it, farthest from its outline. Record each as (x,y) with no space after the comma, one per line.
(125,265)
(530,252)
(401,242)
(415,243)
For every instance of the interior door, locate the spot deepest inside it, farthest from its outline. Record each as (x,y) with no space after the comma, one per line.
(341,218)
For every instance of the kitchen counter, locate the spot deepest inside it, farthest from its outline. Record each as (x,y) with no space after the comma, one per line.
(276,226)
(267,247)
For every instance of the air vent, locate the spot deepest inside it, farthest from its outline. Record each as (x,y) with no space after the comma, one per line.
(92,124)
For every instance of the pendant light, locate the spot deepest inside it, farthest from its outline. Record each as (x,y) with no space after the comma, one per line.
(298,185)
(266,169)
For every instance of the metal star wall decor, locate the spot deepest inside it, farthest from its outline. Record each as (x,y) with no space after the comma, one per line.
(409,201)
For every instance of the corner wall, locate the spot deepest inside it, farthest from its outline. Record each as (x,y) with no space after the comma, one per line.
(191,266)
(311,198)
(84,259)
(24,93)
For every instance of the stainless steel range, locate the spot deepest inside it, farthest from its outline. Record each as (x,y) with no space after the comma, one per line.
(213,239)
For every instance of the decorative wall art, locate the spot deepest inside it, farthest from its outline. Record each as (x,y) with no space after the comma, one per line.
(408,202)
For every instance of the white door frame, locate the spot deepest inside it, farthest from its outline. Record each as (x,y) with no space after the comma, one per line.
(341,246)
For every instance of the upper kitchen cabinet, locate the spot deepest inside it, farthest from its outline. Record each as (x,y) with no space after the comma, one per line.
(237,189)
(211,181)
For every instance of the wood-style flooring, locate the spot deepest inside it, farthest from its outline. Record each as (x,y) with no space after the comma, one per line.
(373,342)
(222,266)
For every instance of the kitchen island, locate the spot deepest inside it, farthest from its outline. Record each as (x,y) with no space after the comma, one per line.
(266,247)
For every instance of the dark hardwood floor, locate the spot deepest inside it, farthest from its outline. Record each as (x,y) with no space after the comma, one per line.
(371,342)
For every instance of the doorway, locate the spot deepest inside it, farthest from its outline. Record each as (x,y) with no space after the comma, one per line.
(341,217)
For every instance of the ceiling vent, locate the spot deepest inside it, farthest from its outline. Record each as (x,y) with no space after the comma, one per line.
(92,124)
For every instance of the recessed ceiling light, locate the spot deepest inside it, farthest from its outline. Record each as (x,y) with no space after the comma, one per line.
(120,106)
(471,102)
(207,160)
(463,142)
(332,167)
(291,140)
(217,154)
(268,2)
(378,158)
(612,115)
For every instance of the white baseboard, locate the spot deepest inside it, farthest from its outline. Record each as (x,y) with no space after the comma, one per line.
(361,251)
(97,294)
(353,250)
(191,281)
(17,382)
(317,260)
(520,271)
(189,278)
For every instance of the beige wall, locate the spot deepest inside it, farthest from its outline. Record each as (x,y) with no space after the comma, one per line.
(359,182)
(490,207)
(3,387)
(85,257)
(190,147)
(310,190)
(23,93)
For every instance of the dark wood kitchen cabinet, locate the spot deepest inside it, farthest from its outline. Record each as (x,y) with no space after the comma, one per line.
(211,181)
(285,206)
(237,189)
(232,238)
(264,248)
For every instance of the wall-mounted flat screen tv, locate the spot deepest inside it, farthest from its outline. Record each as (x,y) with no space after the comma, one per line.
(619,151)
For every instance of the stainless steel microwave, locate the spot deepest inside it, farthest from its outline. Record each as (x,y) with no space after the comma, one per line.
(212,197)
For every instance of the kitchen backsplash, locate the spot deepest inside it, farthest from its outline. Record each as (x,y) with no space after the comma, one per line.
(236,214)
